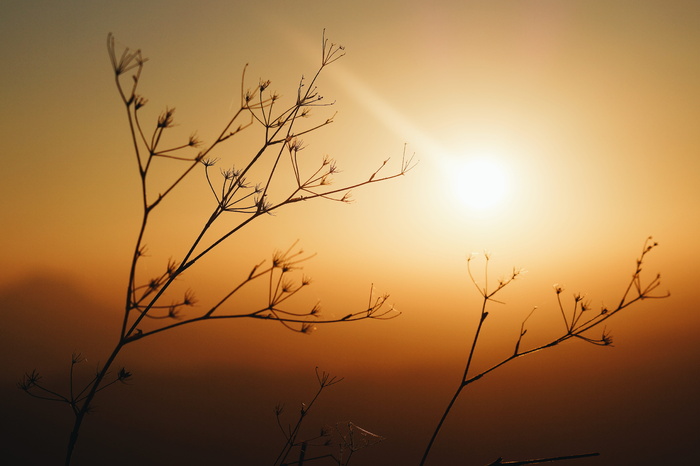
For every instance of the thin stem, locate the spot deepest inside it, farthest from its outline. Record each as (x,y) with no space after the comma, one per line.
(500,461)
(462,383)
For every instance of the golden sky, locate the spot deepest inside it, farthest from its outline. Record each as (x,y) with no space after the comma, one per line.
(580,116)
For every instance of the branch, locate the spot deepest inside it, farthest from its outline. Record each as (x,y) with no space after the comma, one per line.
(500,461)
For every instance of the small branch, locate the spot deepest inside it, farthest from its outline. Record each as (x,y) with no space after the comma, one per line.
(500,461)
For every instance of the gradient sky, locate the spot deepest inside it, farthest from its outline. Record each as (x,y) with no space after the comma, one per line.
(590,108)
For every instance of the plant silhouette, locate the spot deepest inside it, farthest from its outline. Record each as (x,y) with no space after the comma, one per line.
(345,438)
(579,320)
(258,186)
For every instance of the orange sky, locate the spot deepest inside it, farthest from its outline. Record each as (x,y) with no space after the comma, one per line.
(589,108)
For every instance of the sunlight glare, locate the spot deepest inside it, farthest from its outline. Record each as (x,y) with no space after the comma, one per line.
(480,183)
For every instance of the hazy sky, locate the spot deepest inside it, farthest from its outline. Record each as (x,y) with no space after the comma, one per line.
(584,113)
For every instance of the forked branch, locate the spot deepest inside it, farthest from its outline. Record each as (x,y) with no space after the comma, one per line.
(578,323)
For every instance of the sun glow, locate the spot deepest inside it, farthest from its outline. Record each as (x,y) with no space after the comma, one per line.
(480,183)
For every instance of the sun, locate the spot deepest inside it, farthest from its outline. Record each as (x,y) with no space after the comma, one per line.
(478,182)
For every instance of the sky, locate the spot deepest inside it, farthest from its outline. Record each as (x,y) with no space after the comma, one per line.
(556,136)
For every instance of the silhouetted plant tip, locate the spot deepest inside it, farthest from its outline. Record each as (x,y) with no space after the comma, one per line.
(256,185)
(578,321)
(353,438)
(346,437)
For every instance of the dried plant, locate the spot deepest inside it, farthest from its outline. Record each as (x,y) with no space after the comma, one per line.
(350,438)
(579,322)
(345,437)
(258,185)
(291,434)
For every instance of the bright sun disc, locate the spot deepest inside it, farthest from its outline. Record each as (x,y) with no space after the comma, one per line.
(480,183)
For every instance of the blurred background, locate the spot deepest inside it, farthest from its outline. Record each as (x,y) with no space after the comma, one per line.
(580,116)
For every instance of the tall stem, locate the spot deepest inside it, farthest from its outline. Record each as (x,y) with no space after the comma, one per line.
(462,383)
